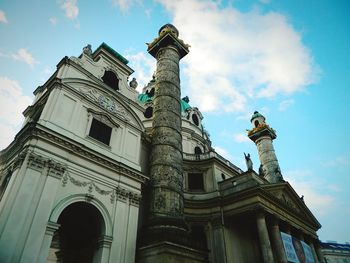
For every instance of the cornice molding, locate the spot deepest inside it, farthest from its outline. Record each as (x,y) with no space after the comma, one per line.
(35,131)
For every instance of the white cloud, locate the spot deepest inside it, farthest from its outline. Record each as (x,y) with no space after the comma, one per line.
(148,12)
(144,66)
(338,161)
(223,152)
(285,104)
(313,189)
(12,103)
(240,137)
(238,56)
(53,20)
(3,18)
(238,161)
(71,9)
(265,1)
(24,56)
(124,5)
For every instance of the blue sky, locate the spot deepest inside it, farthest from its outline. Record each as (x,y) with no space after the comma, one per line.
(290,60)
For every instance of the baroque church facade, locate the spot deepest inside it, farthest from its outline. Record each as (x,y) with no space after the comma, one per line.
(101,173)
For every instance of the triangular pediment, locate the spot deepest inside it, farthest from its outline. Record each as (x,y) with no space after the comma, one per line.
(288,199)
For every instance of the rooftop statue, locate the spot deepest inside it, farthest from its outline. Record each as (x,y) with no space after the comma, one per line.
(133,83)
(87,50)
(248,162)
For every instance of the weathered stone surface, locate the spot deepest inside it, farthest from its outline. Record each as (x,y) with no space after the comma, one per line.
(167,103)
(167,202)
(167,119)
(268,159)
(168,89)
(166,136)
(166,156)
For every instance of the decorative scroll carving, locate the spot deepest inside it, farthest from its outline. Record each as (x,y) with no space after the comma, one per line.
(19,160)
(106,102)
(134,198)
(38,162)
(56,169)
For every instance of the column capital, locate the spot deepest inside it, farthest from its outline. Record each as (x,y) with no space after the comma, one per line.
(274,220)
(168,36)
(52,227)
(105,241)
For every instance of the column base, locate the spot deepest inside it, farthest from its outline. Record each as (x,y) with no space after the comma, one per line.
(171,253)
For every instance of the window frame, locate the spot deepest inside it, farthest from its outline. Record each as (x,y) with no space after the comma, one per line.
(104,119)
(190,182)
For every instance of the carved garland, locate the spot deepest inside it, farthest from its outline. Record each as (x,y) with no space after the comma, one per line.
(116,193)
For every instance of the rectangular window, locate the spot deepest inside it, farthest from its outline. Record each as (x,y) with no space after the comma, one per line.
(100,131)
(195,181)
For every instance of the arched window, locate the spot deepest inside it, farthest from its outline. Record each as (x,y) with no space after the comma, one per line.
(148,112)
(197,150)
(151,92)
(223,176)
(256,123)
(111,79)
(195,119)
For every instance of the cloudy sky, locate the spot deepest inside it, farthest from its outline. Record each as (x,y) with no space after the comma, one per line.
(290,60)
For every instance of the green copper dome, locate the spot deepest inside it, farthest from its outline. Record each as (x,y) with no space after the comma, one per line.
(184,105)
(145,98)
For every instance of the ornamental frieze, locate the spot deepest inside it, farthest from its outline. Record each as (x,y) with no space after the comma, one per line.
(116,193)
(101,161)
(38,163)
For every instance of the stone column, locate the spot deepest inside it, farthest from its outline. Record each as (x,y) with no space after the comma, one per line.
(218,241)
(264,240)
(166,218)
(311,244)
(103,251)
(166,155)
(319,252)
(50,246)
(268,159)
(277,241)
(262,134)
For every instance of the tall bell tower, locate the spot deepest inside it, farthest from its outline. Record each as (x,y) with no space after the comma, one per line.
(262,135)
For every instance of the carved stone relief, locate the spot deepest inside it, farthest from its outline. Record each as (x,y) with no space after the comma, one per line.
(38,162)
(116,193)
(106,102)
(286,200)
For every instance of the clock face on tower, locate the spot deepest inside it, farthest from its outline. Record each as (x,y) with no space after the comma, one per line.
(106,103)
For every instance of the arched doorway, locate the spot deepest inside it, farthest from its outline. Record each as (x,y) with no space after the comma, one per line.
(81,225)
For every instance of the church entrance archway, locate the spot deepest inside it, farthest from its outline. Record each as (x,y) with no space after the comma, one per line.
(81,225)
